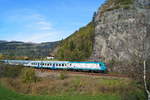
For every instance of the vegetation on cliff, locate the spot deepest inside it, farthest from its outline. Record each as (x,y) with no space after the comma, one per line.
(115,4)
(78,46)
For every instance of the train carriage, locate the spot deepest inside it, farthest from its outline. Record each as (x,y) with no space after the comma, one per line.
(67,65)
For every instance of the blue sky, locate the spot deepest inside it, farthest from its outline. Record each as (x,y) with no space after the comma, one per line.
(44,20)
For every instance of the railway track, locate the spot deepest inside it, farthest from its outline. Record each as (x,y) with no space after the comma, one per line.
(85,73)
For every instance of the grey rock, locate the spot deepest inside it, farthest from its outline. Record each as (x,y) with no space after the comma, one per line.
(121,34)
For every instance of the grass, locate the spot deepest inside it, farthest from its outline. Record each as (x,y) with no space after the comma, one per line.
(6,94)
(63,86)
(77,86)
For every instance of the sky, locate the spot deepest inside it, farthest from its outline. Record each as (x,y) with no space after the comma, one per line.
(44,20)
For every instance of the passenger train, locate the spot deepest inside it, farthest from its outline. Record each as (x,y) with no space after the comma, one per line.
(67,65)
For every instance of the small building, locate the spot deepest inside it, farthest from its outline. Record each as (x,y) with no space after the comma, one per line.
(50,57)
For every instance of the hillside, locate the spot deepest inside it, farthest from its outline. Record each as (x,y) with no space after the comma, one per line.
(78,46)
(32,50)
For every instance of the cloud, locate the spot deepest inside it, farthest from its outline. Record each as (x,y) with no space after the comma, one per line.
(41,25)
(32,26)
(44,25)
(39,37)
(30,19)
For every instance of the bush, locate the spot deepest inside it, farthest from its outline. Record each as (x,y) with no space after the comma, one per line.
(10,71)
(110,5)
(62,75)
(28,75)
(134,95)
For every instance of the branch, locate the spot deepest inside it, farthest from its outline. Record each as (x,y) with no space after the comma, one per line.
(145,84)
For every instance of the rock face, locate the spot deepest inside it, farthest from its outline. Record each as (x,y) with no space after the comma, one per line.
(123,33)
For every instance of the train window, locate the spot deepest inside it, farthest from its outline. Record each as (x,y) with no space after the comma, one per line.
(62,64)
(53,64)
(56,64)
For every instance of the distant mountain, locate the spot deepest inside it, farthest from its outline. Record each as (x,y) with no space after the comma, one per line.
(33,50)
(2,41)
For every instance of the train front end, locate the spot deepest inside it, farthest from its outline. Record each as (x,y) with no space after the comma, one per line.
(103,67)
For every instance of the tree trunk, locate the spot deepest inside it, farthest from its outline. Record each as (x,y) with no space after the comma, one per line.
(149,97)
(145,84)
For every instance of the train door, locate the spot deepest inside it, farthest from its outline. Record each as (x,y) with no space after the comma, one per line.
(38,65)
(53,66)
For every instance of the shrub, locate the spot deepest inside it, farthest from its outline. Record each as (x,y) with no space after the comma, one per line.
(28,75)
(110,5)
(10,71)
(62,75)
(134,95)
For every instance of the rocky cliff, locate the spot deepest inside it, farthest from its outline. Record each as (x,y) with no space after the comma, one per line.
(122,31)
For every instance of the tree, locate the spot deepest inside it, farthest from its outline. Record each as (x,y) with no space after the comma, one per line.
(94,15)
(145,51)
(145,55)
(1,56)
(145,83)
(71,45)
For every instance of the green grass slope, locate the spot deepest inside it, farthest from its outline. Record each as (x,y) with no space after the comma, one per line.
(78,46)
(6,94)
